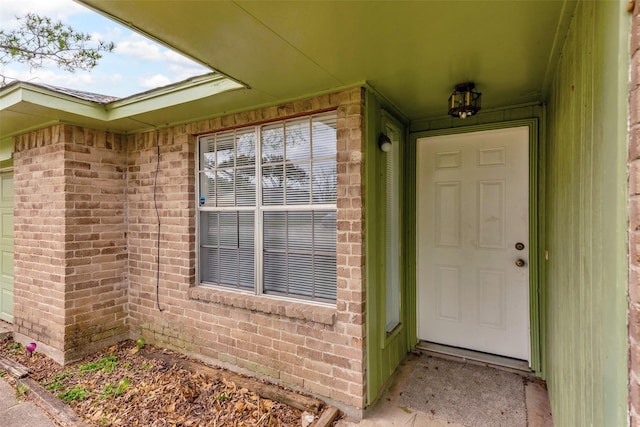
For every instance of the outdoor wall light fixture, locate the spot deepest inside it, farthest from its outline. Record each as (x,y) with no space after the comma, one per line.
(464,101)
(384,143)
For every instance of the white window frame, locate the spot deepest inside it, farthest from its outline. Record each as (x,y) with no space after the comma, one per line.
(259,209)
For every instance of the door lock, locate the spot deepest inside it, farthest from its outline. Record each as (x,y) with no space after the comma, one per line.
(519,246)
(520,262)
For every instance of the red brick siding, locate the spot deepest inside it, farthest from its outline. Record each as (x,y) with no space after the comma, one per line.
(70,239)
(318,348)
(634,222)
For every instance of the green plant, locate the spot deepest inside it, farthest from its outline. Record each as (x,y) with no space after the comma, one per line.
(2,374)
(111,390)
(147,366)
(21,390)
(122,385)
(106,364)
(61,376)
(140,343)
(55,382)
(108,390)
(15,347)
(222,397)
(55,386)
(76,393)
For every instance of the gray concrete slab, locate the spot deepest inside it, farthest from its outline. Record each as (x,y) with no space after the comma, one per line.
(466,393)
(391,409)
(25,414)
(19,412)
(388,412)
(7,396)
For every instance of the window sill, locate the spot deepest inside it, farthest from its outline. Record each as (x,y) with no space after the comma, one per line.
(265,304)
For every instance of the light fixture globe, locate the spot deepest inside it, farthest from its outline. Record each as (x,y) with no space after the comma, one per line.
(384,142)
(464,101)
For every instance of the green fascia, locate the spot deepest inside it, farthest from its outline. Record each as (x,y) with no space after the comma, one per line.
(22,95)
(31,94)
(196,88)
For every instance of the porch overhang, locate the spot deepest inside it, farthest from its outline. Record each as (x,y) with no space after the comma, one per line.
(265,53)
(413,53)
(26,106)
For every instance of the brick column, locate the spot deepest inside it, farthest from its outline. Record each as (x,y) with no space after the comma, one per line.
(634,222)
(39,240)
(350,248)
(70,288)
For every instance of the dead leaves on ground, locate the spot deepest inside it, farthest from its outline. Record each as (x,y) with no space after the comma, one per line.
(140,391)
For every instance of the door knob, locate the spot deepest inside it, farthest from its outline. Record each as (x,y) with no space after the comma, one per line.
(520,262)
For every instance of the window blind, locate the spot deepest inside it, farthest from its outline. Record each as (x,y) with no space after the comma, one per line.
(290,222)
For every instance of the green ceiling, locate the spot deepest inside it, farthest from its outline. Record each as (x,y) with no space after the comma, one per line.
(412,52)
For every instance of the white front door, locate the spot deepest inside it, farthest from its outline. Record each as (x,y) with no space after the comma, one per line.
(472,243)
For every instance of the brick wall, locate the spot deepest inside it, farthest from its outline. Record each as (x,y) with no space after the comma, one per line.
(318,348)
(70,240)
(634,222)
(86,242)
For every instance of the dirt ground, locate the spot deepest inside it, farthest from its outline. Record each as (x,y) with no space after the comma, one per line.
(133,385)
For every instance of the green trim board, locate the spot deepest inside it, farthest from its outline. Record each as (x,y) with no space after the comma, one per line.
(385,351)
(586,221)
(6,164)
(409,249)
(534,223)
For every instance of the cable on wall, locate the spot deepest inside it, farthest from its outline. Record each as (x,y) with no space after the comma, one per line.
(155,204)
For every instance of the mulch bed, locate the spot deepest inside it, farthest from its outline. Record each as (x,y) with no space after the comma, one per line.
(125,386)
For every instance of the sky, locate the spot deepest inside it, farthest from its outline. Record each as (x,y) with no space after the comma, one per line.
(137,64)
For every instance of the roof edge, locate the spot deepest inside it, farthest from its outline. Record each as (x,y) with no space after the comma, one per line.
(20,97)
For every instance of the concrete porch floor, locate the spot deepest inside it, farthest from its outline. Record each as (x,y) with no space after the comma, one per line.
(389,411)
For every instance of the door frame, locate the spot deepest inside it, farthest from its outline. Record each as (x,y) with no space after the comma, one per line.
(536,194)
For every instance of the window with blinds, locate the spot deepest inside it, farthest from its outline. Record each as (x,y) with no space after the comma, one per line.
(267,208)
